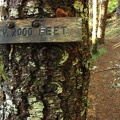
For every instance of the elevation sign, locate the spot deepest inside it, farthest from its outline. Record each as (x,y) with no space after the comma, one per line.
(41,30)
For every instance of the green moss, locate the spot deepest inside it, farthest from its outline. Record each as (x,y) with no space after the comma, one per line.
(1,65)
(75,62)
(83,112)
(2,73)
(87,65)
(4,76)
(78,6)
(64,58)
(59,87)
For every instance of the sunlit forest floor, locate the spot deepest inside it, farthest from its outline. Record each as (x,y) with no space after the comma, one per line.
(104,90)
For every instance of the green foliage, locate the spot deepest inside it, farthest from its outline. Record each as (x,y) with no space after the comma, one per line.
(99,53)
(112,5)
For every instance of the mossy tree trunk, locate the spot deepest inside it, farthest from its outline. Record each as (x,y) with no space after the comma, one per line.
(47,81)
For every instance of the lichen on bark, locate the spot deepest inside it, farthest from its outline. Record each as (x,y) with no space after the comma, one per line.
(47,81)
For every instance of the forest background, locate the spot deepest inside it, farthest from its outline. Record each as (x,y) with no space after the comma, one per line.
(104,91)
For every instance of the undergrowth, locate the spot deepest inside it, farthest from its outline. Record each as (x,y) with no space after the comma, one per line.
(112,5)
(99,53)
(94,57)
(114,31)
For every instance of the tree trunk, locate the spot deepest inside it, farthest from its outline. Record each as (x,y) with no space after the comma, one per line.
(94,30)
(118,10)
(90,9)
(102,21)
(47,81)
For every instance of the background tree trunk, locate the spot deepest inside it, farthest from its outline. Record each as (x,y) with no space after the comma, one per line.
(102,20)
(118,10)
(94,30)
(47,81)
(90,9)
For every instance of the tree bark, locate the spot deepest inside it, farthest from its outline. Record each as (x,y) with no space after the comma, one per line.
(102,21)
(94,30)
(118,10)
(47,81)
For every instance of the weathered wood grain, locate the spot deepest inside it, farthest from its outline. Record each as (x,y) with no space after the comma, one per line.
(50,30)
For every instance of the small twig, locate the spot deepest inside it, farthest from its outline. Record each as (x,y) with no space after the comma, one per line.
(116,45)
(107,69)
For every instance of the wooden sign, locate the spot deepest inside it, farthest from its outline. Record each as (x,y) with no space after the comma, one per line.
(66,29)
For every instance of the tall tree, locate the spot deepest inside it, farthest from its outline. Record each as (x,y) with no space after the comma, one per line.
(47,81)
(102,20)
(94,30)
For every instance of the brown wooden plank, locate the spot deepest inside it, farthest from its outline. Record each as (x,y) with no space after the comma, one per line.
(50,30)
